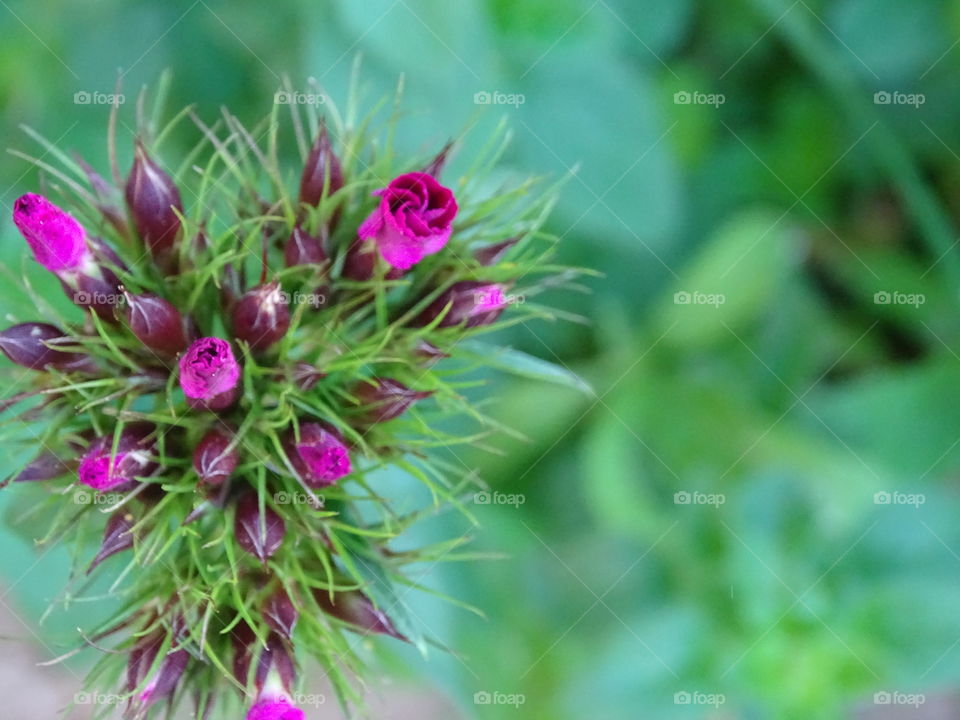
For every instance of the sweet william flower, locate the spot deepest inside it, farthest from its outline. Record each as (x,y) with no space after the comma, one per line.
(154,203)
(303,249)
(261,316)
(26,345)
(102,469)
(322,166)
(213,458)
(57,239)
(320,455)
(156,323)
(414,219)
(468,302)
(210,374)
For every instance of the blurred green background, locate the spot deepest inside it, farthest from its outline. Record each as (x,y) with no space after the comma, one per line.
(772,191)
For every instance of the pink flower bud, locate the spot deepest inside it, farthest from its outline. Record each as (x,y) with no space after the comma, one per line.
(320,456)
(280,613)
(384,399)
(116,537)
(356,609)
(469,303)
(156,323)
(164,683)
(322,163)
(26,345)
(439,162)
(154,201)
(58,241)
(361,263)
(259,534)
(414,219)
(261,316)
(212,459)
(492,254)
(101,469)
(210,374)
(275,709)
(303,249)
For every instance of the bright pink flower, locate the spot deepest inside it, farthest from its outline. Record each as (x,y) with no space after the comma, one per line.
(320,456)
(102,469)
(58,241)
(209,373)
(414,219)
(278,709)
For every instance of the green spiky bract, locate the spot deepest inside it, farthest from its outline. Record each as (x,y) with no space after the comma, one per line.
(193,582)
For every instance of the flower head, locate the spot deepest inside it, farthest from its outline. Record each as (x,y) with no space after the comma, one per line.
(320,455)
(278,709)
(414,219)
(156,323)
(261,317)
(470,303)
(58,241)
(103,469)
(209,373)
(26,345)
(154,202)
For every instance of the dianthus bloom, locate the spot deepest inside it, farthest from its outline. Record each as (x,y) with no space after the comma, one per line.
(209,373)
(57,240)
(414,219)
(102,469)
(279,709)
(320,456)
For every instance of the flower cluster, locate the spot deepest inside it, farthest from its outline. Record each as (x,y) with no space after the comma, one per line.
(192,389)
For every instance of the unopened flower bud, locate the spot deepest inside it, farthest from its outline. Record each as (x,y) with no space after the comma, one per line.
(103,469)
(156,323)
(384,399)
(469,303)
(356,609)
(26,345)
(361,263)
(439,162)
(492,254)
(116,537)
(428,352)
(319,456)
(303,249)
(280,613)
(154,202)
(164,683)
(214,459)
(261,317)
(322,163)
(58,241)
(45,466)
(274,680)
(210,374)
(258,533)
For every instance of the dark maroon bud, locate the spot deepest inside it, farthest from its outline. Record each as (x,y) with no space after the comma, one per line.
(156,323)
(305,376)
(361,261)
(280,613)
(261,317)
(275,662)
(100,294)
(437,164)
(25,345)
(259,534)
(322,163)
(154,202)
(303,249)
(116,537)
(46,466)
(356,609)
(492,254)
(214,459)
(468,303)
(428,352)
(164,683)
(243,639)
(383,399)
(141,659)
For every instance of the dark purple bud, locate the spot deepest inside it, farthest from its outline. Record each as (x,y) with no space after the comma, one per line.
(156,323)
(116,537)
(437,164)
(154,202)
(46,466)
(103,469)
(163,684)
(322,166)
(383,399)
(468,303)
(214,459)
(276,671)
(244,640)
(258,533)
(305,376)
(26,345)
(261,317)
(280,613)
(303,249)
(361,263)
(492,254)
(356,609)
(319,456)
(100,293)
(210,374)
(428,352)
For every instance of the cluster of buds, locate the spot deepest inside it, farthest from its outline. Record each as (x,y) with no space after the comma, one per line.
(219,393)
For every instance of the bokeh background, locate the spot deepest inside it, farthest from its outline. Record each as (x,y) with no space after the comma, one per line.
(755,513)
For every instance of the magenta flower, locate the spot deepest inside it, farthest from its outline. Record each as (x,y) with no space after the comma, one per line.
(277,709)
(58,241)
(320,455)
(414,219)
(210,374)
(102,469)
